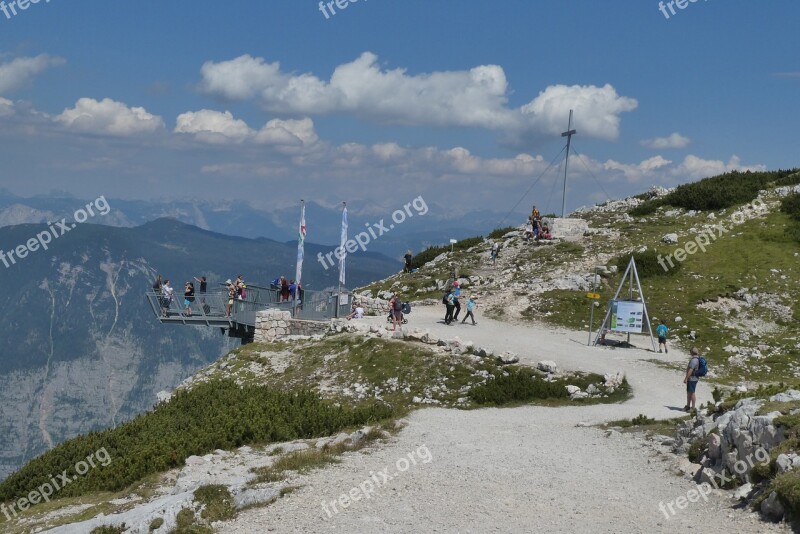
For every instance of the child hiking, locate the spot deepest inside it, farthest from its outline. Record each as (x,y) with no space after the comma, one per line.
(470,307)
(661,331)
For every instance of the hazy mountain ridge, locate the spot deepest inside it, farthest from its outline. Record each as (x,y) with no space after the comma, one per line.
(82,349)
(238,218)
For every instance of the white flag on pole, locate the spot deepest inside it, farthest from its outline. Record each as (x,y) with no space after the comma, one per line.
(301,239)
(343,251)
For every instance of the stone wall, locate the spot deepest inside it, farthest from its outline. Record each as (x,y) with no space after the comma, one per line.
(372,306)
(275,324)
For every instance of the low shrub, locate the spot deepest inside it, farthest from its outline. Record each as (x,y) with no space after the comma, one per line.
(500,232)
(215,415)
(647,264)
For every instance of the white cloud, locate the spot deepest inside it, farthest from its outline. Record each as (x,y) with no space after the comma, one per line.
(674,140)
(213,126)
(6,107)
(637,171)
(287,132)
(694,168)
(597,110)
(216,127)
(469,98)
(20,71)
(109,117)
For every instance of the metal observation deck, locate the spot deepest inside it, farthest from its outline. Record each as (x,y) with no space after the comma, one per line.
(210,308)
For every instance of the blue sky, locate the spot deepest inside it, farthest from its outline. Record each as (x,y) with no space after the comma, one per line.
(459,101)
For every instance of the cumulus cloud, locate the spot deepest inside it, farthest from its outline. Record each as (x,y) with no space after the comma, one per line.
(597,110)
(6,107)
(109,117)
(20,71)
(213,126)
(694,168)
(469,98)
(674,140)
(637,171)
(287,132)
(221,127)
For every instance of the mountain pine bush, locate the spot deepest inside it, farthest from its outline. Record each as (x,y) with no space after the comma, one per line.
(215,415)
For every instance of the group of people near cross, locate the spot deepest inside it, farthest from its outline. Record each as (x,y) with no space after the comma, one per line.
(536,228)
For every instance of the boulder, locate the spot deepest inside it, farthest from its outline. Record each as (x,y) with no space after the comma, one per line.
(508,357)
(547,366)
(670,239)
(572,389)
(772,507)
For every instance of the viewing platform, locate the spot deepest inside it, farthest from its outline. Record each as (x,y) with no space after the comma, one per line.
(210,308)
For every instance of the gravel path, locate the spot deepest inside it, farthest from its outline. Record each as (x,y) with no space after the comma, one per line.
(526,469)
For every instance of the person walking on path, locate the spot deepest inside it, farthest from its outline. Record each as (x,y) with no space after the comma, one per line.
(470,308)
(495,250)
(408,257)
(691,380)
(661,332)
(456,302)
(449,302)
(396,309)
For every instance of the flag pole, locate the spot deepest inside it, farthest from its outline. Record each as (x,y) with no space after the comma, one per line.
(343,259)
(301,238)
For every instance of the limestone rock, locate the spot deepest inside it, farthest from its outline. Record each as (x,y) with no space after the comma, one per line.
(547,366)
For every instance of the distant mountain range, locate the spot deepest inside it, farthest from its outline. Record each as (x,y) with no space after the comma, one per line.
(434,225)
(81,350)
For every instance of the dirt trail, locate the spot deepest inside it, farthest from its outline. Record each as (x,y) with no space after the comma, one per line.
(527,469)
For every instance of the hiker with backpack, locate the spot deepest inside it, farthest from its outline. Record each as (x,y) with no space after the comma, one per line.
(661,332)
(697,367)
(448,300)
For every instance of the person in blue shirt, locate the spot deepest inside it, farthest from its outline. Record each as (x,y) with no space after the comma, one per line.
(456,303)
(470,307)
(661,331)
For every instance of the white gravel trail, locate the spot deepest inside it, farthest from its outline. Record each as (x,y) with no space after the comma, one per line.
(527,469)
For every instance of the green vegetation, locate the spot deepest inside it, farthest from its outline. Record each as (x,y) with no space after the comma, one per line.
(431,252)
(519,385)
(105,529)
(312,458)
(187,524)
(215,415)
(720,192)
(217,502)
(790,205)
(647,264)
(497,233)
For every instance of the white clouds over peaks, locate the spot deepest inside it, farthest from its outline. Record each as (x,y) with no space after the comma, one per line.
(694,168)
(469,98)
(6,107)
(20,71)
(597,109)
(109,117)
(675,140)
(213,126)
(221,127)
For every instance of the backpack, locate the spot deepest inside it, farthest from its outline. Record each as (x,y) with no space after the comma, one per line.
(444,298)
(407,308)
(702,368)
